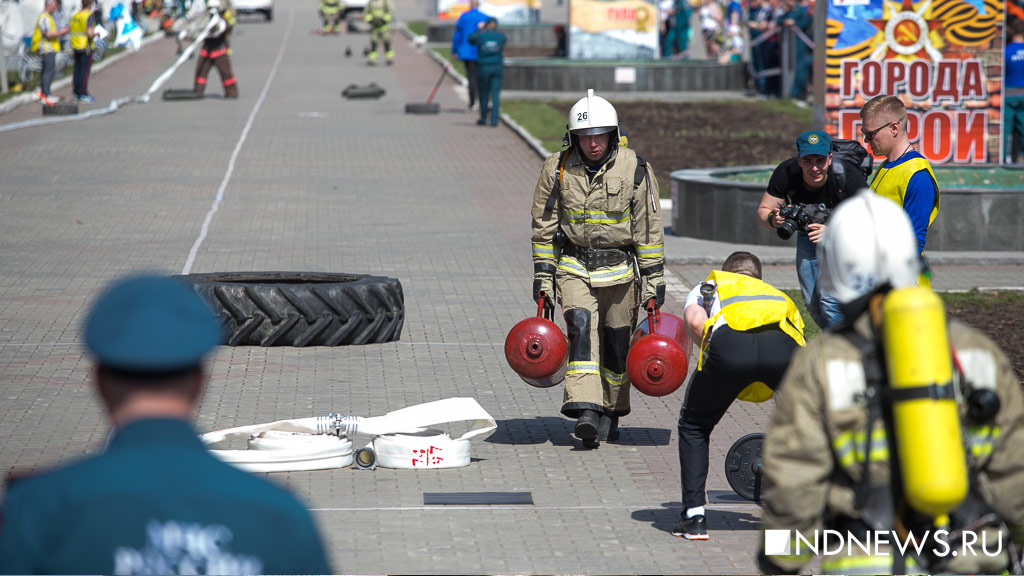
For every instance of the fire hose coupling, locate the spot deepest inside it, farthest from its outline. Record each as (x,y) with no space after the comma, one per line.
(337,424)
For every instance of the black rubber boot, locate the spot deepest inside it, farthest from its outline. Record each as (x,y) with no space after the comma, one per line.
(608,428)
(586,428)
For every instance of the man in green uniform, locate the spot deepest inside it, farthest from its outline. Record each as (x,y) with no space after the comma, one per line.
(155,501)
(490,61)
(596,221)
(379,14)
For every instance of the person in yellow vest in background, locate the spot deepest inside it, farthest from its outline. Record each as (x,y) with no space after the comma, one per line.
(747,332)
(379,14)
(46,42)
(215,50)
(901,424)
(906,177)
(330,12)
(82,23)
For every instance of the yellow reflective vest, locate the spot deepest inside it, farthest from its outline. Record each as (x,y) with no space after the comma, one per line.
(45,45)
(749,303)
(79,29)
(892,182)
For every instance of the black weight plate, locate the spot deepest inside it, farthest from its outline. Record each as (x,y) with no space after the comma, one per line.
(742,466)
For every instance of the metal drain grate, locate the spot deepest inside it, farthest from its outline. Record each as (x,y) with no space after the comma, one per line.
(477,498)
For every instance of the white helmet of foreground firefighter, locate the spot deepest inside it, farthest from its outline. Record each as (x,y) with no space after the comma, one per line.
(213,5)
(590,118)
(869,246)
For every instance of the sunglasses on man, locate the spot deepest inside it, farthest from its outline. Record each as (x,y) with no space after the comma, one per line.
(869,135)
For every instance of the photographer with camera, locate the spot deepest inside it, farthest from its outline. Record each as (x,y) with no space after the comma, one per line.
(801,194)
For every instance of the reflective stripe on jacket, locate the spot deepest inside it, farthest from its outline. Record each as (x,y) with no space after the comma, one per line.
(597,210)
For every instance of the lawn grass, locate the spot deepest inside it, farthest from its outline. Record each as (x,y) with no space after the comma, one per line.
(985,299)
(544,120)
(417,27)
(446,53)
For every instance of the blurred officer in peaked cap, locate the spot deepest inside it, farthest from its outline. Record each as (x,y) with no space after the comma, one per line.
(155,501)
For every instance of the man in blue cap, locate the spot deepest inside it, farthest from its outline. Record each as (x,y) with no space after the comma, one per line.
(815,183)
(155,501)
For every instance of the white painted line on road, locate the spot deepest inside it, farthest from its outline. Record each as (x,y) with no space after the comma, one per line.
(238,148)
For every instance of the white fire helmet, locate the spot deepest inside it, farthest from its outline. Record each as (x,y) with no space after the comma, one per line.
(593,115)
(213,4)
(869,243)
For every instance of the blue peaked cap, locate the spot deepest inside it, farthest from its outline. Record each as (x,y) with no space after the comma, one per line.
(150,323)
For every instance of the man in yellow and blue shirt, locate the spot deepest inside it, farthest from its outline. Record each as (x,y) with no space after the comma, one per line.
(906,177)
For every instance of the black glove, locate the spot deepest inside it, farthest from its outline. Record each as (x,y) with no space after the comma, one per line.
(544,282)
(655,289)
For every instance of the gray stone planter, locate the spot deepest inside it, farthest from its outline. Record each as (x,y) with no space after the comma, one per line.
(707,204)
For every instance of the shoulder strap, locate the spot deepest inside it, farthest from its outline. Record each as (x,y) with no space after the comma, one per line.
(556,190)
(638,174)
(840,171)
(875,500)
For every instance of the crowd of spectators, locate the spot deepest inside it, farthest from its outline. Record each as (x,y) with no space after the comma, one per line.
(732,29)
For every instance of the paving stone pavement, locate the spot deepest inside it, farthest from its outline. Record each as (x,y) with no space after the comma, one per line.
(293,177)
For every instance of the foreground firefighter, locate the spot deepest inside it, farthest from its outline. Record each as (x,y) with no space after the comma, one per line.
(898,425)
(215,51)
(595,225)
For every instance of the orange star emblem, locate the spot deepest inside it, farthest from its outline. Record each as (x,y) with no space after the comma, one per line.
(906,32)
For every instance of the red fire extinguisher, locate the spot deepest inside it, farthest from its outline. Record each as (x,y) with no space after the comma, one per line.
(537,349)
(658,356)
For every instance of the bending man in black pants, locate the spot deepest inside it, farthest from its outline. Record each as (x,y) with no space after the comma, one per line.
(747,332)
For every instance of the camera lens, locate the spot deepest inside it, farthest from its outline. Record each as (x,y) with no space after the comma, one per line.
(786,229)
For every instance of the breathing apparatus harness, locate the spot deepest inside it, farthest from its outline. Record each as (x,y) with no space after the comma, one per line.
(594,257)
(883,506)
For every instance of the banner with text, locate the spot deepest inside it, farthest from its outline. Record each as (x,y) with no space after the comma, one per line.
(944,58)
(613,29)
(506,11)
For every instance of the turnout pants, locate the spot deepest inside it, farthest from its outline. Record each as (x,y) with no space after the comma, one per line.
(599,322)
(220,59)
(380,35)
(734,360)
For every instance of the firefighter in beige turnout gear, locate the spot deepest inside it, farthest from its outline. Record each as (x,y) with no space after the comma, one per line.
(829,451)
(379,14)
(596,223)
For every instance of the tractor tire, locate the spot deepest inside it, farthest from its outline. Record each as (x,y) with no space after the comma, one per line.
(423,108)
(302,308)
(61,109)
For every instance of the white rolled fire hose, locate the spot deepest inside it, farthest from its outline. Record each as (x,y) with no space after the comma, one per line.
(405,438)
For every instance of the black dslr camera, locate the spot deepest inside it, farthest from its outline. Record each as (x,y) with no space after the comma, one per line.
(799,216)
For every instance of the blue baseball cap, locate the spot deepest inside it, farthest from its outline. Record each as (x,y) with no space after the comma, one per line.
(150,324)
(813,142)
